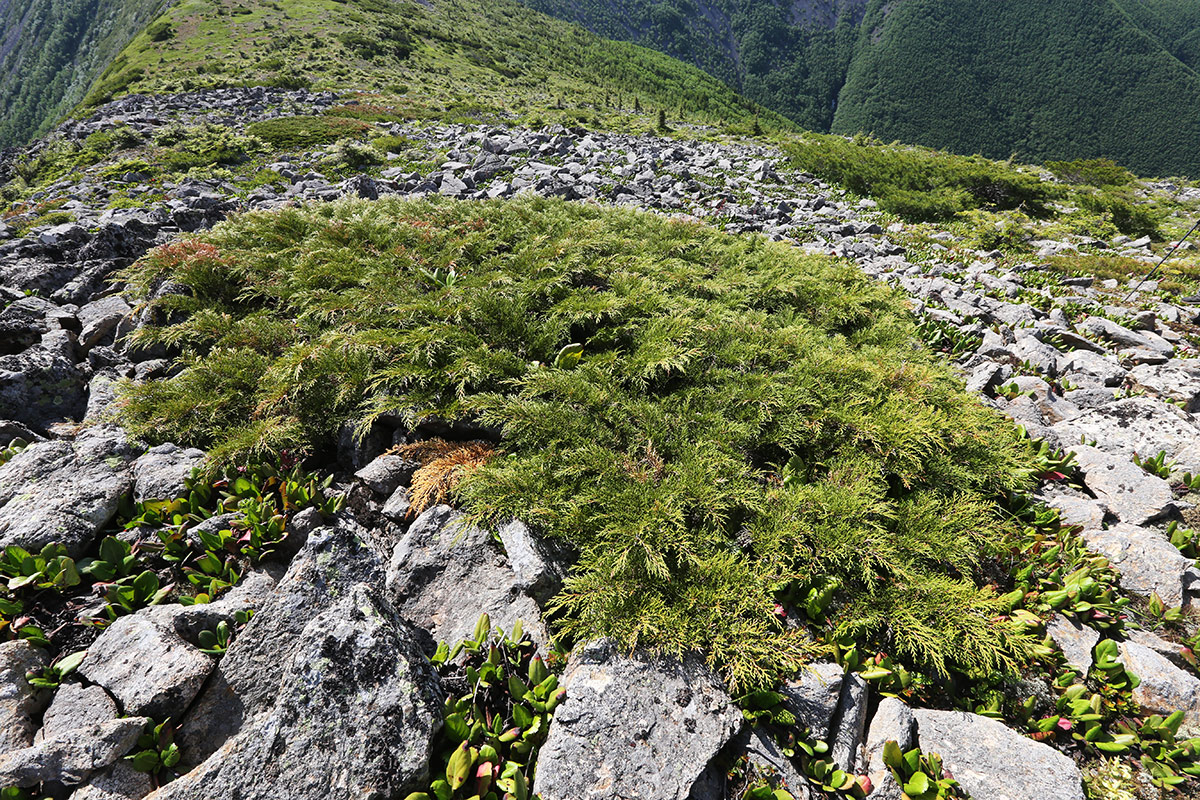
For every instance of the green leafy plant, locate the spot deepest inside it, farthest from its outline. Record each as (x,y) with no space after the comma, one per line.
(496,717)
(920,776)
(116,561)
(215,642)
(50,677)
(156,752)
(1156,465)
(51,568)
(15,446)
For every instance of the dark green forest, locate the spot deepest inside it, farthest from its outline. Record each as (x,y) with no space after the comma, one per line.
(1042,79)
(52,50)
(1093,84)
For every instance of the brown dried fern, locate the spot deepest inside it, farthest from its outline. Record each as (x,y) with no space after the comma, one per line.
(443,465)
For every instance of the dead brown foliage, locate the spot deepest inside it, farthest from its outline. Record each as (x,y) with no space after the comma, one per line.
(443,465)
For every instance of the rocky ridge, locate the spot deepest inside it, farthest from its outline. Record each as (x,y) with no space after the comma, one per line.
(1071,361)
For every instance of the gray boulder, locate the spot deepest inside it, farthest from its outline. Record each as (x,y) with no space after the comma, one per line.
(633,727)
(1129,492)
(146,666)
(1164,687)
(71,757)
(994,762)
(539,566)
(443,575)
(74,707)
(1173,380)
(813,697)
(66,492)
(1139,425)
(1074,639)
(1147,562)
(19,702)
(354,715)
(846,746)
(893,721)
(159,473)
(384,474)
(246,680)
(1123,337)
(117,782)
(44,384)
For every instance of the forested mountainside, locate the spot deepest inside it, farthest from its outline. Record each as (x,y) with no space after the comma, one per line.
(1044,80)
(52,50)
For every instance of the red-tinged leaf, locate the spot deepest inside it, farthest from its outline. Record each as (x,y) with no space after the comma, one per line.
(865,782)
(1065,724)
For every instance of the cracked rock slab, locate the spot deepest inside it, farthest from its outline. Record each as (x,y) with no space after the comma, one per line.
(355,715)
(1132,494)
(992,761)
(71,757)
(1164,687)
(632,727)
(146,666)
(66,492)
(1147,562)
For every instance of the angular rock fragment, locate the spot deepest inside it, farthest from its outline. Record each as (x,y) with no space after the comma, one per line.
(354,715)
(443,575)
(159,473)
(71,757)
(990,760)
(64,492)
(1164,687)
(633,728)
(20,703)
(146,666)
(1147,562)
(1128,491)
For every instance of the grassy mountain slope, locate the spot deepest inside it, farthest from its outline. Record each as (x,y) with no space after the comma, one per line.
(941,73)
(442,57)
(52,50)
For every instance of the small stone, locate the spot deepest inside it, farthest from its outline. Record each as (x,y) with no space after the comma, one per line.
(1075,640)
(386,473)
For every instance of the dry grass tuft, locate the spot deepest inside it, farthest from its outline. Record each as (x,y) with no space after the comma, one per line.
(443,465)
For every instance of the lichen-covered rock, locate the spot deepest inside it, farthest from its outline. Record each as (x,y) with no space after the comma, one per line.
(633,727)
(443,575)
(354,716)
(146,666)
(334,559)
(1164,687)
(19,702)
(1128,491)
(44,384)
(71,757)
(159,473)
(66,492)
(993,762)
(119,781)
(1139,425)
